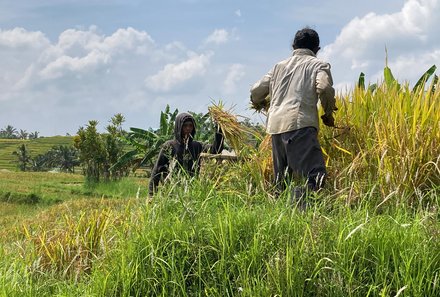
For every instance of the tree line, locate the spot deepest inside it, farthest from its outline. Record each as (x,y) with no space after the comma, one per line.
(10,132)
(93,152)
(116,152)
(62,157)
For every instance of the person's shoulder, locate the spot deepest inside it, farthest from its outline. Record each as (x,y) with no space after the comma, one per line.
(196,143)
(282,64)
(323,64)
(318,60)
(285,61)
(320,63)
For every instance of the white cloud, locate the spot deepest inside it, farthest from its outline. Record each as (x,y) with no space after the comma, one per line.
(65,64)
(128,39)
(409,35)
(19,49)
(417,63)
(238,12)
(218,36)
(82,53)
(55,81)
(19,37)
(85,75)
(235,74)
(175,74)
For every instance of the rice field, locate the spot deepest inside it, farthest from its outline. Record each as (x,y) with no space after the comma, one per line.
(372,231)
(35,146)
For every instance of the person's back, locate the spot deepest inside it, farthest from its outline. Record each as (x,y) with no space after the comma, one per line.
(294,97)
(294,86)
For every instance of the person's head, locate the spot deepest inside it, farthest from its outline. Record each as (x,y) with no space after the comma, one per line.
(185,127)
(306,38)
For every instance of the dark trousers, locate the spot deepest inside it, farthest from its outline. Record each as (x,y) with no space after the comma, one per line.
(298,153)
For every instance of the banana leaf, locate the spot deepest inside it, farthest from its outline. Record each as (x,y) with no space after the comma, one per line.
(361,81)
(125,160)
(422,80)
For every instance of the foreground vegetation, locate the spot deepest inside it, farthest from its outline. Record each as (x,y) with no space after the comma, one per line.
(205,238)
(372,231)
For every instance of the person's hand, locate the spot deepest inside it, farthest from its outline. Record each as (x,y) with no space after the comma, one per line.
(262,105)
(257,106)
(328,120)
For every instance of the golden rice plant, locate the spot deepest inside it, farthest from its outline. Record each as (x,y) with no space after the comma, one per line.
(234,132)
(393,140)
(266,162)
(258,164)
(71,249)
(68,239)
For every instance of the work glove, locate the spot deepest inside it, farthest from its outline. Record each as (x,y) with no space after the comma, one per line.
(328,120)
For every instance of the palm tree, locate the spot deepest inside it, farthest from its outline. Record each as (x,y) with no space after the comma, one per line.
(8,132)
(23,134)
(23,156)
(34,135)
(65,157)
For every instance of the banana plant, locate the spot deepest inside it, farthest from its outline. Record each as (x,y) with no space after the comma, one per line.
(421,82)
(361,83)
(390,80)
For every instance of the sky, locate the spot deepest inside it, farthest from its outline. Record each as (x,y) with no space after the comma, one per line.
(65,62)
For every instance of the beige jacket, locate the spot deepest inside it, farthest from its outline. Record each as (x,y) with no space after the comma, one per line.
(294,86)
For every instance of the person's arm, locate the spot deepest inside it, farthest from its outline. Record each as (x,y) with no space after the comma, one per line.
(217,146)
(260,90)
(160,169)
(326,93)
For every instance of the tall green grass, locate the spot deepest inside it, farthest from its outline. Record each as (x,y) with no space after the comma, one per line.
(197,239)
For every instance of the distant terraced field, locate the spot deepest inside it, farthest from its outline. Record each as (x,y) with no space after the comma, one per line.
(35,146)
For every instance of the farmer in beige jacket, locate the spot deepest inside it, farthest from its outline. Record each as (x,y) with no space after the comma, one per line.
(294,86)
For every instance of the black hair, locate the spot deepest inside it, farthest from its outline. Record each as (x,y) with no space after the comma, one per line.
(306,38)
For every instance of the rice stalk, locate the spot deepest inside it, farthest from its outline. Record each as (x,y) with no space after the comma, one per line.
(71,248)
(234,132)
(394,133)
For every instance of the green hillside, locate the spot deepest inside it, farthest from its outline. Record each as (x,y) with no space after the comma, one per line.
(35,146)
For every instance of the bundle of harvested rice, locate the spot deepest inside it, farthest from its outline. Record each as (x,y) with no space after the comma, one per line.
(233,131)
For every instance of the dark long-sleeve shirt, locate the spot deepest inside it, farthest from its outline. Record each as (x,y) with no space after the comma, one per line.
(185,156)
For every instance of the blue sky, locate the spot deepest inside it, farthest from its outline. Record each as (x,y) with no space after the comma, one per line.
(65,62)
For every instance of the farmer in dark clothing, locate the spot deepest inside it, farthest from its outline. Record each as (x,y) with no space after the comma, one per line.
(294,86)
(183,152)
